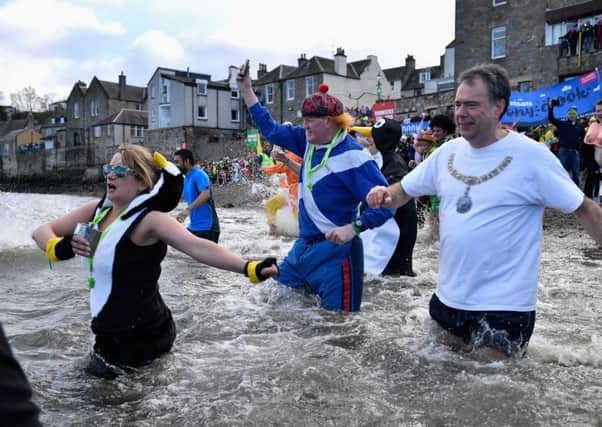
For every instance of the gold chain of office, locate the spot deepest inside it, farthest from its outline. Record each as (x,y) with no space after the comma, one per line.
(474,180)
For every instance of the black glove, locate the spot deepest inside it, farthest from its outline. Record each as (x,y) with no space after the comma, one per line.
(253,269)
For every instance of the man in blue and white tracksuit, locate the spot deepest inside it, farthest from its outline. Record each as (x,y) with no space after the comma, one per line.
(336,175)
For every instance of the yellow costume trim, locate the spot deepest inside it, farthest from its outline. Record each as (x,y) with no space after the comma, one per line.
(50,248)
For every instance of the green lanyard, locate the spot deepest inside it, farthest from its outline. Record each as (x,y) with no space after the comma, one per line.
(96,220)
(310,170)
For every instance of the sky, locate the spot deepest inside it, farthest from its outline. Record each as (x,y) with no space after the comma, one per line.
(51,44)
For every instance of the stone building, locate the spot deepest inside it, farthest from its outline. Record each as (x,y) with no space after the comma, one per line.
(427,90)
(88,105)
(525,38)
(356,83)
(126,126)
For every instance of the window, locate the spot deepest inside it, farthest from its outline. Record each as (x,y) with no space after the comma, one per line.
(153,116)
(97,131)
(310,85)
(202,112)
(152,91)
(290,90)
(76,110)
(524,86)
(498,42)
(234,93)
(62,119)
(138,107)
(6,150)
(269,94)
(201,87)
(136,131)
(93,108)
(499,2)
(164,91)
(109,130)
(425,75)
(52,120)
(235,115)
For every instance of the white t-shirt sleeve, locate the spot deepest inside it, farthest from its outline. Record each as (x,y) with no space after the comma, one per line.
(423,179)
(554,186)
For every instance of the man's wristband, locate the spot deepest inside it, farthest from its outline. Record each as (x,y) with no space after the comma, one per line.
(356,229)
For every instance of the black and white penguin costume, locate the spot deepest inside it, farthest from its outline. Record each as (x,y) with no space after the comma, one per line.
(131,322)
(388,249)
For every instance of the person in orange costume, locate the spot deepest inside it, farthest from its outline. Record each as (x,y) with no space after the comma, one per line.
(289,164)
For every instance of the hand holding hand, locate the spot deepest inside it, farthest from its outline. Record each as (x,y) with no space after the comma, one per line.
(379,196)
(258,271)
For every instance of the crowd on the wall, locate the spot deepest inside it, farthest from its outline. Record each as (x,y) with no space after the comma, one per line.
(581,39)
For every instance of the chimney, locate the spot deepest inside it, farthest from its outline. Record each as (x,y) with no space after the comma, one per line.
(410,63)
(121,85)
(340,62)
(261,71)
(301,60)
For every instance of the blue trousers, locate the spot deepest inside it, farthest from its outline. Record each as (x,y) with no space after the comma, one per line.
(334,272)
(570,161)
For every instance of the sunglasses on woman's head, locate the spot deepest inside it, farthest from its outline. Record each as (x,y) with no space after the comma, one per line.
(120,171)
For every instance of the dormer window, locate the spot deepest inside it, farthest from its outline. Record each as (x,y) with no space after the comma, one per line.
(201,87)
(424,76)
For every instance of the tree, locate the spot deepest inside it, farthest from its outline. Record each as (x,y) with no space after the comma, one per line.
(28,100)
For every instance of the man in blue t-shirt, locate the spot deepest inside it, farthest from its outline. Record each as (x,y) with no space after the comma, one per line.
(204,222)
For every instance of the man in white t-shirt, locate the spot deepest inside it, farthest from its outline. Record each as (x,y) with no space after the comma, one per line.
(494,185)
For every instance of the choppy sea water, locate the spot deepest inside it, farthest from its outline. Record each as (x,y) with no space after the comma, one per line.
(267,355)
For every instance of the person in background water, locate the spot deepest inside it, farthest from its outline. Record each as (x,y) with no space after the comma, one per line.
(570,137)
(335,177)
(288,163)
(388,249)
(593,140)
(204,221)
(16,406)
(264,159)
(442,129)
(494,185)
(131,323)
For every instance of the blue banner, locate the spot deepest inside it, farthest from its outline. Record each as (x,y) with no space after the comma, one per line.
(414,127)
(531,108)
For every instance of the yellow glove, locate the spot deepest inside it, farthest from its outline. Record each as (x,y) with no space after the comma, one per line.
(253,269)
(59,248)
